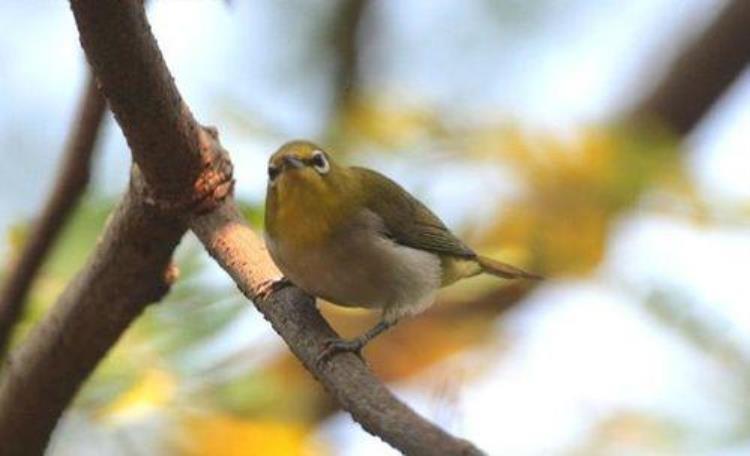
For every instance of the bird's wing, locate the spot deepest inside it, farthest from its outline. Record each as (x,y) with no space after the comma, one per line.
(407,221)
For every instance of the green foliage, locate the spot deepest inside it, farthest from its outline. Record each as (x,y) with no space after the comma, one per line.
(253,213)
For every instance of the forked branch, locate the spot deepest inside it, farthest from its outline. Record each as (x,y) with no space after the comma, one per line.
(182,177)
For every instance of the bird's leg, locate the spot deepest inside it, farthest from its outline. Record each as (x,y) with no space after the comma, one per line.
(271,286)
(335,346)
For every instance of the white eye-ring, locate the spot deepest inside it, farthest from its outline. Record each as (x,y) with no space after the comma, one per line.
(320,162)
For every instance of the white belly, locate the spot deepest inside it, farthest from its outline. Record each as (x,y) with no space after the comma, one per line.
(362,268)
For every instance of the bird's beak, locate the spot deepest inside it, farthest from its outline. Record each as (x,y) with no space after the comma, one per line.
(293,162)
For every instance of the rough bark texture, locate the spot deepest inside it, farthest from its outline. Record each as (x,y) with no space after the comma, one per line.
(127,271)
(69,185)
(181,172)
(294,316)
(156,122)
(128,267)
(702,72)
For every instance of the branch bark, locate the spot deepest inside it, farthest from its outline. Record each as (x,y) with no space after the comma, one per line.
(129,267)
(127,271)
(182,173)
(294,316)
(158,126)
(69,185)
(702,72)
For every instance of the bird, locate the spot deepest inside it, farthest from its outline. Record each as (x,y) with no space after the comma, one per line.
(355,238)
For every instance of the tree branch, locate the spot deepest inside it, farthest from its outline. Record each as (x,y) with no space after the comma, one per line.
(129,267)
(159,127)
(126,272)
(180,171)
(70,183)
(294,316)
(702,72)
(347,27)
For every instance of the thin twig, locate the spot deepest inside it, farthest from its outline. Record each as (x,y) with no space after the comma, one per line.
(347,28)
(70,184)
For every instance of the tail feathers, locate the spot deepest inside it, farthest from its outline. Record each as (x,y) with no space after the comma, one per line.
(504,270)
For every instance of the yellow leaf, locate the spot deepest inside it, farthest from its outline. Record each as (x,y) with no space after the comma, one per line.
(155,389)
(227,435)
(388,123)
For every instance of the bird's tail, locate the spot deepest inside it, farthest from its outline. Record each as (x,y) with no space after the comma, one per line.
(504,270)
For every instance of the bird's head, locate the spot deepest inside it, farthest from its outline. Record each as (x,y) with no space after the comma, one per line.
(300,164)
(302,173)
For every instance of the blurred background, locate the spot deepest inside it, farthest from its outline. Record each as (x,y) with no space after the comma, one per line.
(528,126)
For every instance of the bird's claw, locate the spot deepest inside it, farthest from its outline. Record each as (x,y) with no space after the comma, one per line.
(271,286)
(332,347)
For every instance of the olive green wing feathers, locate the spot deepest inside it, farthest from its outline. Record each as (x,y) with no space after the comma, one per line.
(407,221)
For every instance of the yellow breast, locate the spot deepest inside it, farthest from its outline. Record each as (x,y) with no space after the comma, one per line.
(301,219)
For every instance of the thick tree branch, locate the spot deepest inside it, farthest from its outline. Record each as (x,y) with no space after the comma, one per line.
(702,72)
(157,124)
(127,271)
(129,267)
(294,316)
(70,183)
(180,171)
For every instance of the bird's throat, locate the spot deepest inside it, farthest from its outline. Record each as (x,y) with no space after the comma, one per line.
(301,218)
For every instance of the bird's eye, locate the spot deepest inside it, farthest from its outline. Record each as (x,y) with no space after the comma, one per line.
(320,163)
(273,171)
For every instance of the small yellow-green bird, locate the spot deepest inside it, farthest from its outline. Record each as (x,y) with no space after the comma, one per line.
(355,238)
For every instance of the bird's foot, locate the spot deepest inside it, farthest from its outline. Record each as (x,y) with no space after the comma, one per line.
(333,347)
(271,286)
